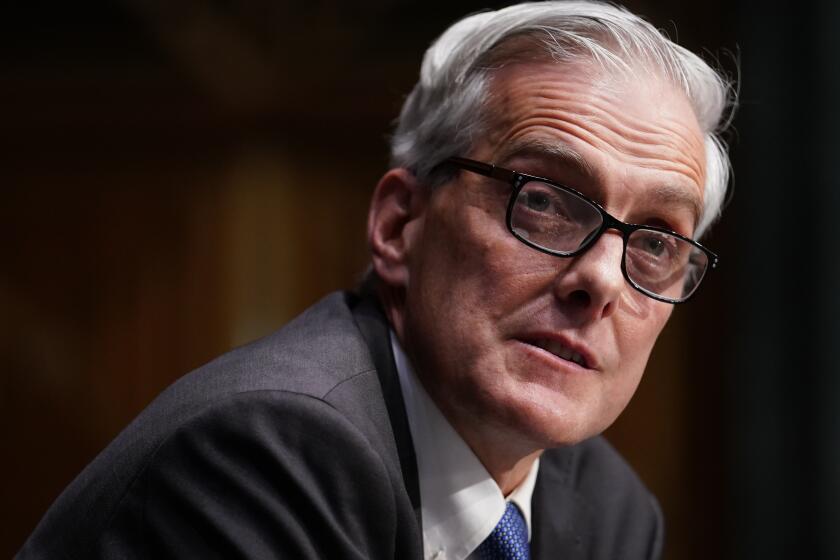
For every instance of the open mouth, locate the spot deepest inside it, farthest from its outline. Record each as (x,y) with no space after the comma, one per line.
(560,350)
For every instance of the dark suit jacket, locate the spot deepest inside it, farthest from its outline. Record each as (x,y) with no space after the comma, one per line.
(297,446)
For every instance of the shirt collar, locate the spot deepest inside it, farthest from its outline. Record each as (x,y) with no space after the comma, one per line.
(460,503)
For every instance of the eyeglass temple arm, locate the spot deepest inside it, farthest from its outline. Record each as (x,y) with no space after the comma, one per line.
(486,169)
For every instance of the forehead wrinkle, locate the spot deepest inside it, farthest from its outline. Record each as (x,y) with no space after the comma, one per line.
(645,141)
(654,151)
(664,157)
(635,137)
(674,159)
(679,140)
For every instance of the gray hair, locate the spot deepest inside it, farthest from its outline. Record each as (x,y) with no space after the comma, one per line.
(444,112)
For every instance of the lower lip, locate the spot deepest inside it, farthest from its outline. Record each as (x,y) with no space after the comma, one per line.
(553,361)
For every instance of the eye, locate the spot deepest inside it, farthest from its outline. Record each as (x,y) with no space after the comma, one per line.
(538,201)
(653,245)
(656,248)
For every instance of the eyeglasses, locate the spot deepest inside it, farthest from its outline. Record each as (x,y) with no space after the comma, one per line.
(560,221)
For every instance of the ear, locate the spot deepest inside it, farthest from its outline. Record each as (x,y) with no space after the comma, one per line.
(398,201)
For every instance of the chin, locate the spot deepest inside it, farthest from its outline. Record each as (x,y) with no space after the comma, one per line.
(557,423)
(562,434)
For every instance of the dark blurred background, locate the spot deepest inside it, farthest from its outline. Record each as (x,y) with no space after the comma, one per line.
(181,177)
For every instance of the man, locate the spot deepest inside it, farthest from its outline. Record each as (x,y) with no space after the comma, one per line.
(452,408)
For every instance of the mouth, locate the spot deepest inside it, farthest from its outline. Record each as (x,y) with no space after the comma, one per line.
(560,350)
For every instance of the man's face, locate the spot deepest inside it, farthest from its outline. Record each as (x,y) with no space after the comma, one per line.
(511,341)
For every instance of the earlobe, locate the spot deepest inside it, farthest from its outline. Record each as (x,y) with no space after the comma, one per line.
(397,202)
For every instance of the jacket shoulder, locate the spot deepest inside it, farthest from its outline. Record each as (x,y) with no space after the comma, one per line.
(277,401)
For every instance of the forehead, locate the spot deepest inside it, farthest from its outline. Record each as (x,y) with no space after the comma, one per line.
(634,129)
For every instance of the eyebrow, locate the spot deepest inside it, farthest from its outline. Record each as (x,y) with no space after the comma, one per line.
(669,194)
(537,148)
(676,196)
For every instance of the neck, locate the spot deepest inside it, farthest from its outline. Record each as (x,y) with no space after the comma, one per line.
(392,301)
(506,456)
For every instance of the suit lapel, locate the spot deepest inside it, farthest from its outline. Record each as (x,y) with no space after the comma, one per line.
(375,330)
(557,510)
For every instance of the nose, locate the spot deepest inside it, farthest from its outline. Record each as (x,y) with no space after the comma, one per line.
(591,285)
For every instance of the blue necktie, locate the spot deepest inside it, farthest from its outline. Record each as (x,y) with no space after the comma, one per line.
(509,540)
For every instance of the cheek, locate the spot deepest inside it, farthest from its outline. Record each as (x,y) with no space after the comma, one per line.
(466,279)
(448,279)
(636,339)
(461,260)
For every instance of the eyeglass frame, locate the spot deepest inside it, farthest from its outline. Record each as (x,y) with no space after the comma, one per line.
(518,180)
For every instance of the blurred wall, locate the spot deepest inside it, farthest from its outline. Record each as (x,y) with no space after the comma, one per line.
(784,371)
(179,178)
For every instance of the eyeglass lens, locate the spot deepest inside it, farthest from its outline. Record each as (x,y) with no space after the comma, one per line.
(562,222)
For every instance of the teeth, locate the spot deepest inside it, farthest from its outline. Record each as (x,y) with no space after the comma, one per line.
(561,351)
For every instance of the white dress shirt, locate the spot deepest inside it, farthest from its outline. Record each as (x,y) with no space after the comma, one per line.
(460,503)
